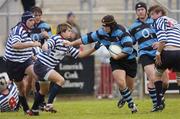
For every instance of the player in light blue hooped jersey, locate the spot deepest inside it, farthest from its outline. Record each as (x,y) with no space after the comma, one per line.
(53,52)
(124,64)
(144,34)
(8,94)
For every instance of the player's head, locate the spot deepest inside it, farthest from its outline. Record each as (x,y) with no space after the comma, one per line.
(141,10)
(156,11)
(28,19)
(64,30)
(71,17)
(3,84)
(109,23)
(37,11)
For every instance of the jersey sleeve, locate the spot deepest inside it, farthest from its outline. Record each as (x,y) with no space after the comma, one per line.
(73,52)
(160,26)
(90,37)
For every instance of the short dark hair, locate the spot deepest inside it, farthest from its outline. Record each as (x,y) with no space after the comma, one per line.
(70,14)
(157,9)
(36,9)
(62,28)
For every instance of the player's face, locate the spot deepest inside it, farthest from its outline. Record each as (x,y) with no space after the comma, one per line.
(155,15)
(30,23)
(67,33)
(38,17)
(141,13)
(107,29)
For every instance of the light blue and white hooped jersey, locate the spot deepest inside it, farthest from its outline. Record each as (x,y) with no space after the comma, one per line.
(56,52)
(18,34)
(10,101)
(168,30)
(144,34)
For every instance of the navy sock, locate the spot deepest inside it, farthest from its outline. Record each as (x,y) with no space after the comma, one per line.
(179,89)
(24,103)
(38,99)
(53,92)
(158,86)
(37,86)
(152,94)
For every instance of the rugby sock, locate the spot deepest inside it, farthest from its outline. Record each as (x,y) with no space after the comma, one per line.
(37,86)
(126,94)
(152,94)
(158,86)
(179,89)
(38,99)
(24,103)
(53,92)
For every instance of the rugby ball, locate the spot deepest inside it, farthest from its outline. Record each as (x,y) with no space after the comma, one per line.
(114,49)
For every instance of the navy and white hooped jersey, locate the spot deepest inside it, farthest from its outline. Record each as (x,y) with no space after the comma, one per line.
(18,33)
(10,101)
(38,28)
(144,34)
(168,30)
(119,36)
(57,51)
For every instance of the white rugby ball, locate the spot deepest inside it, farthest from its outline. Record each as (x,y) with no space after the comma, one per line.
(114,49)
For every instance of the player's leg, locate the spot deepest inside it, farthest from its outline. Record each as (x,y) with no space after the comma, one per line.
(150,72)
(120,78)
(130,85)
(39,96)
(178,80)
(58,83)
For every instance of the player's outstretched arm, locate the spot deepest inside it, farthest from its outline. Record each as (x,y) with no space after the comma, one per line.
(90,51)
(73,43)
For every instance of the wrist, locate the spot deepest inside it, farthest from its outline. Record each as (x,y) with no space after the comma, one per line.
(158,53)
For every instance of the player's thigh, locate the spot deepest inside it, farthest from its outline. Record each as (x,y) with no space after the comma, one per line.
(55,77)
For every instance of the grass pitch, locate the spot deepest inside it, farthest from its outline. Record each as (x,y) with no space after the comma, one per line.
(102,109)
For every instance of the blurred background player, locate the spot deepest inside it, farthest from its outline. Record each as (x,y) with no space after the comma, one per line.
(124,65)
(28,4)
(143,33)
(168,52)
(8,94)
(18,54)
(53,52)
(71,19)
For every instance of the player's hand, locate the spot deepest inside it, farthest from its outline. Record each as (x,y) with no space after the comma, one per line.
(36,44)
(45,34)
(66,43)
(97,45)
(155,45)
(158,59)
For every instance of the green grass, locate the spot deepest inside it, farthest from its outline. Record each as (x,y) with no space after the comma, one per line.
(101,109)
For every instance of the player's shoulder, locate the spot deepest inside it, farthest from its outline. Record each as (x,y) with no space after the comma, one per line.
(43,24)
(135,24)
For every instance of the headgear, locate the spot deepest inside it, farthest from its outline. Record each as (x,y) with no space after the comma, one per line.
(108,20)
(27,15)
(141,4)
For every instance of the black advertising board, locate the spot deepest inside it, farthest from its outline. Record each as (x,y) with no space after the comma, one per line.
(78,74)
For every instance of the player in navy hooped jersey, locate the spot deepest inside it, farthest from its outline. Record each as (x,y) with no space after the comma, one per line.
(8,94)
(124,65)
(167,54)
(18,54)
(144,34)
(53,52)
